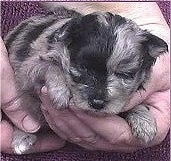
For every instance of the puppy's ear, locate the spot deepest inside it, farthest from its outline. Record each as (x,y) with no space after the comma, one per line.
(155,45)
(62,32)
(69,30)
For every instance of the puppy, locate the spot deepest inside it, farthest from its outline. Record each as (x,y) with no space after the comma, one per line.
(94,62)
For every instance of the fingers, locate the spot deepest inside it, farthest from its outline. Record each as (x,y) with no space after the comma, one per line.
(113,128)
(98,143)
(47,142)
(114,134)
(65,123)
(44,143)
(20,117)
(61,128)
(6,136)
(9,102)
(51,141)
(159,106)
(102,144)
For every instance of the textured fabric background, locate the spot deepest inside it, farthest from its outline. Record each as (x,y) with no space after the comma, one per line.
(12,13)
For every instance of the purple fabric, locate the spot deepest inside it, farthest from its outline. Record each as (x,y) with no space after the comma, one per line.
(12,13)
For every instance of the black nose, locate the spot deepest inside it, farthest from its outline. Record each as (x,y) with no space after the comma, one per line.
(97,104)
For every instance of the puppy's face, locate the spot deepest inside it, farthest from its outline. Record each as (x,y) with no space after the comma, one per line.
(110,58)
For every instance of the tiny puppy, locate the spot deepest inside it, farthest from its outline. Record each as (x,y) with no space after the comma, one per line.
(94,62)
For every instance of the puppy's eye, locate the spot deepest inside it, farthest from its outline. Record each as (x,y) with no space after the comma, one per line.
(125,75)
(85,85)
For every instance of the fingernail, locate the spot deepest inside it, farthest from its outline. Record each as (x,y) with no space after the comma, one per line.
(44,90)
(30,125)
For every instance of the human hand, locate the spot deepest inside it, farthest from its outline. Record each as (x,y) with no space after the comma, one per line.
(10,105)
(113,133)
(105,133)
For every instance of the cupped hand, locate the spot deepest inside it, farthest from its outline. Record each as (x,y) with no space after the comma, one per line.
(109,132)
(10,106)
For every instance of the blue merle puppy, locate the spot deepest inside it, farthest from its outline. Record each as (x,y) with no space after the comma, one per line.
(94,62)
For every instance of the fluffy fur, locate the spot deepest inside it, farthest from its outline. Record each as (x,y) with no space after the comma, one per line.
(94,62)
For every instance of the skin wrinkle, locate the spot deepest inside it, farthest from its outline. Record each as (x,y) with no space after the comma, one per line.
(163,129)
(8,104)
(158,107)
(122,135)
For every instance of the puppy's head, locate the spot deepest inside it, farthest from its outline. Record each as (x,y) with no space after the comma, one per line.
(110,58)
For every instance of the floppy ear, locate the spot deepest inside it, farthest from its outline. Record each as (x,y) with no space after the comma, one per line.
(61,33)
(155,45)
(68,31)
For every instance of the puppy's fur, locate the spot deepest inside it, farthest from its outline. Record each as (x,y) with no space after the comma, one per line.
(94,62)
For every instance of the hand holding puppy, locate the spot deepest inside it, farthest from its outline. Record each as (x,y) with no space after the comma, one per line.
(95,132)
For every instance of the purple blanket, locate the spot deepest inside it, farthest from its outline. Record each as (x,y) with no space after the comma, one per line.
(12,13)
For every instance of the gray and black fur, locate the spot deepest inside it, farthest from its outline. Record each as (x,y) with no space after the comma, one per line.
(94,62)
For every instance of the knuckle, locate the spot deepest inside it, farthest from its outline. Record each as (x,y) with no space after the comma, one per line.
(160,138)
(12,105)
(123,137)
(60,124)
(65,113)
(6,70)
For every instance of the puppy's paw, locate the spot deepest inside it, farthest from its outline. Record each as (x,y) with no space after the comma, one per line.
(22,142)
(142,124)
(60,97)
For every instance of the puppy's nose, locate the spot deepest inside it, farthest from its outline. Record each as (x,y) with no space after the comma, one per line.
(97,104)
